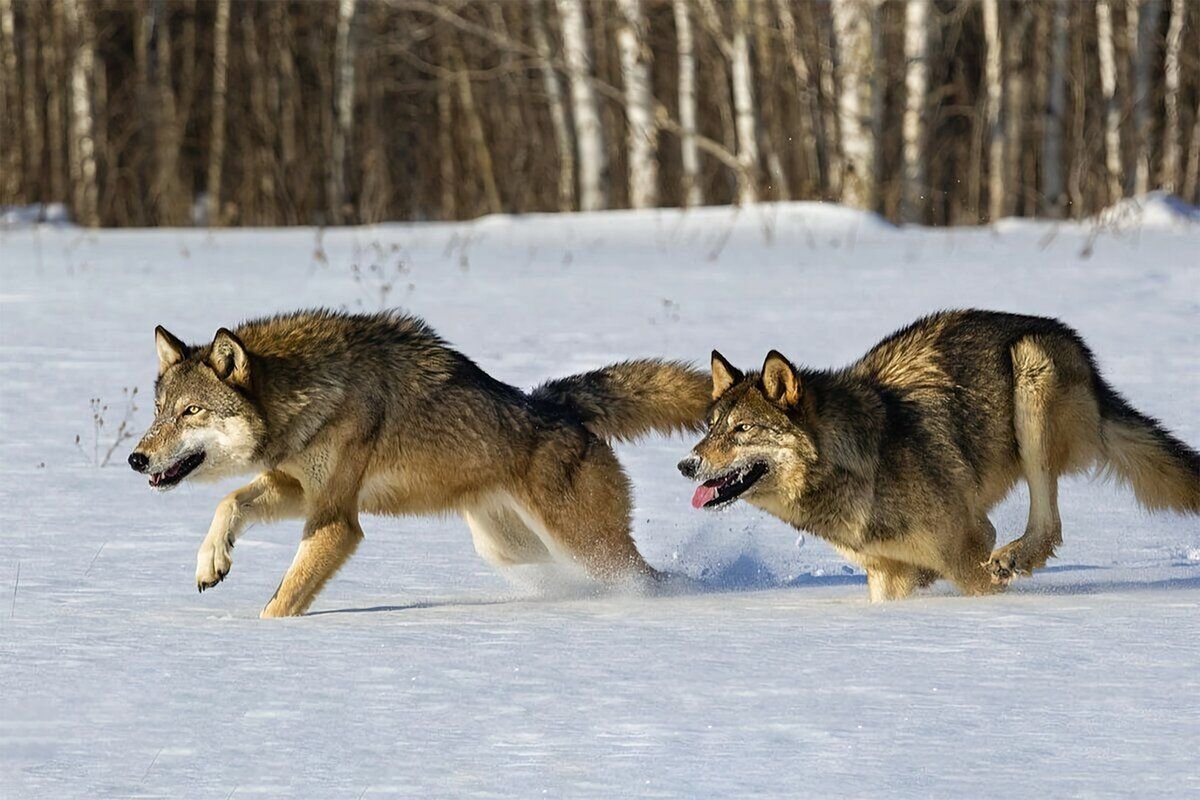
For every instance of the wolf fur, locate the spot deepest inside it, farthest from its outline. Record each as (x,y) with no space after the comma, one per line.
(343,414)
(897,459)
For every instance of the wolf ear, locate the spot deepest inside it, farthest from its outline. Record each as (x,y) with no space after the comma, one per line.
(170,350)
(724,375)
(229,359)
(780,382)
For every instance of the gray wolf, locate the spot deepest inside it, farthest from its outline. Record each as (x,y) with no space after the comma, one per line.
(897,459)
(344,414)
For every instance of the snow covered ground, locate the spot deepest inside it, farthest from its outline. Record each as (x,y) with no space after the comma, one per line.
(423,673)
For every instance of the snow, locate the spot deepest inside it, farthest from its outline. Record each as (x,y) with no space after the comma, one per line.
(425,673)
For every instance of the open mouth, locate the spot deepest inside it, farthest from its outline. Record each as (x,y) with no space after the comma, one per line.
(727,488)
(177,471)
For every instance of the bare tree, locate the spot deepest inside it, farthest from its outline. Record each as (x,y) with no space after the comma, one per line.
(344,106)
(916,84)
(1142,18)
(589,133)
(853,25)
(639,105)
(810,134)
(558,108)
(1170,157)
(1112,112)
(82,148)
(1053,187)
(994,89)
(12,166)
(736,50)
(689,154)
(475,132)
(216,145)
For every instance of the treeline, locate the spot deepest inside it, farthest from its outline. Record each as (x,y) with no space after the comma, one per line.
(180,112)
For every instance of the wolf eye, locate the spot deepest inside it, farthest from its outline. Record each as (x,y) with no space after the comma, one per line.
(190,410)
(743,427)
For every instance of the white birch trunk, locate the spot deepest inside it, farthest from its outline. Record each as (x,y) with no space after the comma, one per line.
(689,153)
(742,79)
(1170,158)
(1053,186)
(1142,27)
(1191,181)
(82,149)
(558,109)
(1106,48)
(343,109)
(852,33)
(811,131)
(916,84)
(216,145)
(589,133)
(994,89)
(639,105)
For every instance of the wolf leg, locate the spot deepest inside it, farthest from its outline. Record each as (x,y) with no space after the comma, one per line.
(894,580)
(325,547)
(1035,391)
(501,538)
(966,561)
(270,496)
(578,504)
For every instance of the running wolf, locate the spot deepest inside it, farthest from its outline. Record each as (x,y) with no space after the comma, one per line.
(343,414)
(897,459)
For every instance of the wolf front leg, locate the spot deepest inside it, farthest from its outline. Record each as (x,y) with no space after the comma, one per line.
(328,541)
(268,497)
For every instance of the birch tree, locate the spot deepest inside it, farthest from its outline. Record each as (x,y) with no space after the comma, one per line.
(216,139)
(742,77)
(689,153)
(558,108)
(811,134)
(916,84)
(82,149)
(1170,157)
(855,65)
(994,88)
(589,133)
(344,108)
(639,105)
(1106,47)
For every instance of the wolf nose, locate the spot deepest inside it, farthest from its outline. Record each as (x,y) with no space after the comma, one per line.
(689,466)
(139,462)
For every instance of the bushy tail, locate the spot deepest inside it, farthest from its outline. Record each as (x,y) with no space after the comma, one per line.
(1163,471)
(627,400)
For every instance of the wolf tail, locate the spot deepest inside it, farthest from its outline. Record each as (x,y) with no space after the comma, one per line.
(627,400)
(1163,471)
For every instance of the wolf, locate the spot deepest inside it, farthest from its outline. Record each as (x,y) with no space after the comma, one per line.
(343,414)
(897,459)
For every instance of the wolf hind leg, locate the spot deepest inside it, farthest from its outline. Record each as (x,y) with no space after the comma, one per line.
(1045,448)
(501,537)
(578,504)
(888,579)
(326,545)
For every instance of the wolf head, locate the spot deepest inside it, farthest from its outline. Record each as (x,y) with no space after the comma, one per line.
(760,442)
(205,424)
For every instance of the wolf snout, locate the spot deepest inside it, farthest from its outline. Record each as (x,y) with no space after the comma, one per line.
(690,466)
(139,461)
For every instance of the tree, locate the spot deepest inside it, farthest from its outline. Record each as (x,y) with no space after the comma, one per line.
(639,105)
(589,133)
(216,141)
(916,84)
(994,92)
(82,149)
(855,66)
(693,194)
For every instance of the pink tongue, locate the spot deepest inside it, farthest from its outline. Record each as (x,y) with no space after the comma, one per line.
(703,494)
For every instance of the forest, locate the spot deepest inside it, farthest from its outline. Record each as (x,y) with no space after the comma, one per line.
(940,112)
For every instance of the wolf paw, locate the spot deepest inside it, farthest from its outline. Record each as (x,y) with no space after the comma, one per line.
(1004,567)
(213,562)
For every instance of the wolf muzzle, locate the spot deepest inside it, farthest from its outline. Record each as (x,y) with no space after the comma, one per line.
(690,467)
(139,462)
